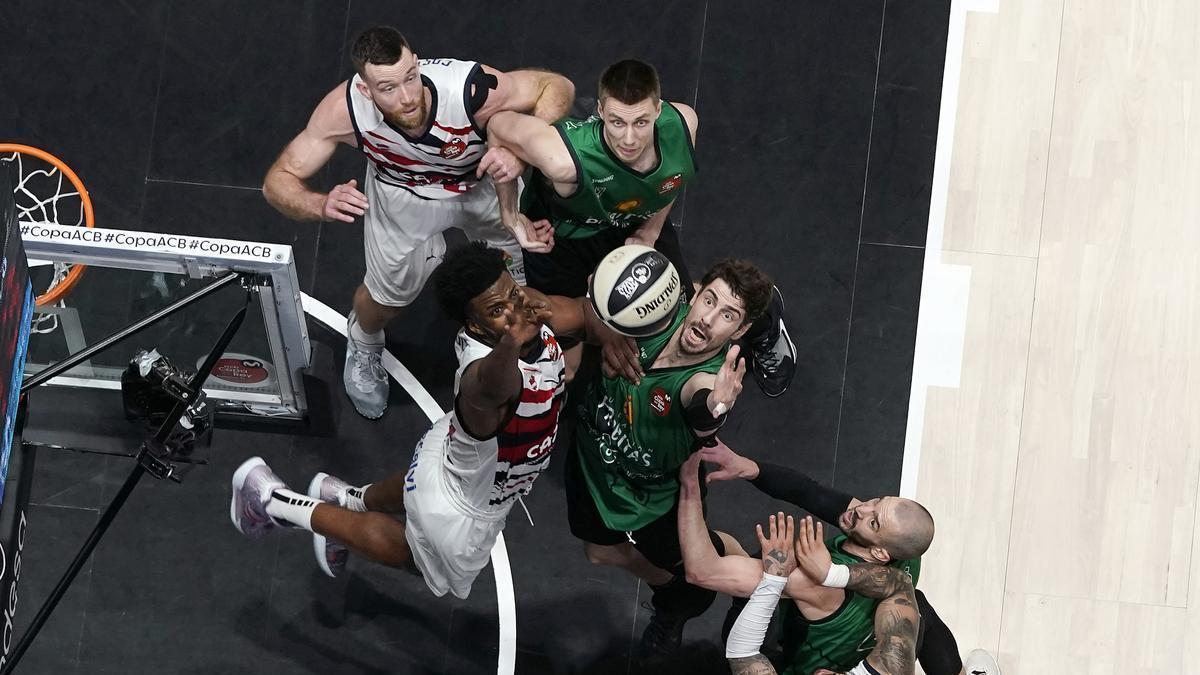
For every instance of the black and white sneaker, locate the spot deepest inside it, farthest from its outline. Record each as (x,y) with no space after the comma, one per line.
(772,354)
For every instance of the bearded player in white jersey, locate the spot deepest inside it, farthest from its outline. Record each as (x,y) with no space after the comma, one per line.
(473,463)
(420,123)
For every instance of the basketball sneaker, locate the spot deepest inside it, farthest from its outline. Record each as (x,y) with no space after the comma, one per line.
(253,483)
(772,354)
(663,635)
(363,376)
(979,662)
(331,555)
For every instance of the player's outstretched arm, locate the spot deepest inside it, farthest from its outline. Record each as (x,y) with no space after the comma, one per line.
(779,482)
(707,398)
(703,566)
(746,637)
(541,93)
(285,185)
(535,142)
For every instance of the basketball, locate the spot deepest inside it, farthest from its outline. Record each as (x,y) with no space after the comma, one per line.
(635,290)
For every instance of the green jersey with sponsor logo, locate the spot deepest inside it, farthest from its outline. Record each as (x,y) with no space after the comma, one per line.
(633,438)
(842,639)
(609,194)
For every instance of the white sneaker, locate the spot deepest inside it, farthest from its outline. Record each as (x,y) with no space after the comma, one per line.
(979,662)
(331,555)
(364,377)
(253,483)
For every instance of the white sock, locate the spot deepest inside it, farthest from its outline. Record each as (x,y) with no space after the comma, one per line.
(353,498)
(292,508)
(362,337)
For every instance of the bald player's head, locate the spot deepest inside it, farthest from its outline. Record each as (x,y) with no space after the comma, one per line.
(891,528)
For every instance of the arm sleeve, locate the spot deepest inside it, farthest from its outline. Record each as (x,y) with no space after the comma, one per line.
(746,637)
(797,488)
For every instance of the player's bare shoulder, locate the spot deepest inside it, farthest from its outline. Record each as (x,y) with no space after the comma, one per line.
(331,118)
(688,113)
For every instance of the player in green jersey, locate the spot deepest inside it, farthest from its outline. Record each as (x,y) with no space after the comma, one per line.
(839,623)
(611,180)
(877,530)
(896,619)
(632,437)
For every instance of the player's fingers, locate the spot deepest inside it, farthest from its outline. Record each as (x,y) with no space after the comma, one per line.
(762,540)
(790,530)
(732,354)
(772,527)
(353,182)
(819,536)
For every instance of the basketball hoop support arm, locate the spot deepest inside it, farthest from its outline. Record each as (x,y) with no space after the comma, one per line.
(87,353)
(148,461)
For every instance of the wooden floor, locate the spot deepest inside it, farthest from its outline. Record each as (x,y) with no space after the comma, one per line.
(1060,453)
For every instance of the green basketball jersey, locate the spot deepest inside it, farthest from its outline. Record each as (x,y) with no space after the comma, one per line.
(842,639)
(609,194)
(633,438)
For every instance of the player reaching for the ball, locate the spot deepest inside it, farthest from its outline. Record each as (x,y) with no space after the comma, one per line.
(635,432)
(472,464)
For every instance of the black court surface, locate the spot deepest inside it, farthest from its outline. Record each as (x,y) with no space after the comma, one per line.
(816,141)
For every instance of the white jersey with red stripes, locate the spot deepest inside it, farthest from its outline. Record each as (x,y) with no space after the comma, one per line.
(485,476)
(440,163)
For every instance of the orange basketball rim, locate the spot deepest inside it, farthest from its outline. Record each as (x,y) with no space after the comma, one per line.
(59,290)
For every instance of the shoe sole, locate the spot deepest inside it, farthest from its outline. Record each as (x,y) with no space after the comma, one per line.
(239,480)
(314,491)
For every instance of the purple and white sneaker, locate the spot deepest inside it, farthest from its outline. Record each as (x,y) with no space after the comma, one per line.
(331,555)
(253,483)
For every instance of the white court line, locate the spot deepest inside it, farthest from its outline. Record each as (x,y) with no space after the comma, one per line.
(942,315)
(506,605)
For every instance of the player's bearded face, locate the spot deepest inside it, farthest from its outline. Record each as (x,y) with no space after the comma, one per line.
(714,319)
(398,93)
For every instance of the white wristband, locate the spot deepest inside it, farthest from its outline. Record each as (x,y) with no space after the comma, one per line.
(837,577)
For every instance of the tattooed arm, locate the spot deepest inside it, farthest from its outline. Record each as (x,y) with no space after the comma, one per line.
(878,581)
(896,623)
(751,665)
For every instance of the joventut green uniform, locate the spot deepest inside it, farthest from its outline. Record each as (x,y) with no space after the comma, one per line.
(634,438)
(842,639)
(609,193)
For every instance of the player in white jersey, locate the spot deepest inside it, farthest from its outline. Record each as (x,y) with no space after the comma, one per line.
(420,123)
(471,466)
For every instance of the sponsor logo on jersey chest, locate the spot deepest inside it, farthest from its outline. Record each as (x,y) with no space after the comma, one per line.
(660,401)
(453,148)
(671,184)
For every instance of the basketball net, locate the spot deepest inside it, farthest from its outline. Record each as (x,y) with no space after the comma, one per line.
(48,191)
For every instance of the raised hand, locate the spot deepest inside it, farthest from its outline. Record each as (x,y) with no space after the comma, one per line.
(778,552)
(620,358)
(730,465)
(729,382)
(344,202)
(523,321)
(812,557)
(537,237)
(501,164)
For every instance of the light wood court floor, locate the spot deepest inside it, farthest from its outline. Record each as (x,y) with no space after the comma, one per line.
(1062,464)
